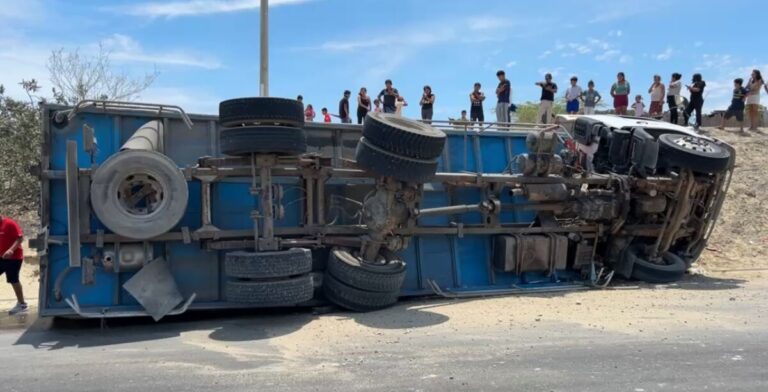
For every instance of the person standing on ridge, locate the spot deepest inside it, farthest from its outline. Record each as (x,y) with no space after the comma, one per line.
(620,93)
(388,96)
(427,103)
(344,108)
(363,104)
(12,257)
(591,98)
(656,90)
(503,93)
(696,101)
(572,95)
(548,91)
(476,98)
(675,85)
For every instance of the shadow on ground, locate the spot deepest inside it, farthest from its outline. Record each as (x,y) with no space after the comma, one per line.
(228,326)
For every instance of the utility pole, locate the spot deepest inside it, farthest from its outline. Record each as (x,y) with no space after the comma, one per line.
(264,79)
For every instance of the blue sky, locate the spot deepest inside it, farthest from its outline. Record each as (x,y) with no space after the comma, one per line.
(207,50)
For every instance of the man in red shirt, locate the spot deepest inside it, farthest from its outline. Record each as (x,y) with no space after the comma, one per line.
(11,258)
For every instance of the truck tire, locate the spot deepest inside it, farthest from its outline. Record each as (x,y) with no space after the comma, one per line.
(284,292)
(263,140)
(355,299)
(261,265)
(643,270)
(139,194)
(384,278)
(404,137)
(261,110)
(691,152)
(384,163)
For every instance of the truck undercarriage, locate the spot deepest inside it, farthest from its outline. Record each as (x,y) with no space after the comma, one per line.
(148,211)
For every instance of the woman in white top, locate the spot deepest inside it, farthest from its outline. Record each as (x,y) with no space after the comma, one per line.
(657,97)
(675,85)
(753,98)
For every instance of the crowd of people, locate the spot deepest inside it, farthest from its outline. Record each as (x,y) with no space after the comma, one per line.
(577,100)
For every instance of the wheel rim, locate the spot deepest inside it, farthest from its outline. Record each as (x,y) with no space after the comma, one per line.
(695,144)
(140,194)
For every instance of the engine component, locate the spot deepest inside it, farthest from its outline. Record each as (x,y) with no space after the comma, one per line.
(526,164)
(597,208)
(546,192)
(650,204)
(528,253)
(618,150)
(585,130)
(139,194)
(645,152)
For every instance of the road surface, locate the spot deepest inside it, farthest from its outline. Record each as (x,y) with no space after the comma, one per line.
(704,334)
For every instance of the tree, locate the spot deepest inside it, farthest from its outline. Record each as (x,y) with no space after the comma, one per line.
(20,133)
(76,77)
(527,112)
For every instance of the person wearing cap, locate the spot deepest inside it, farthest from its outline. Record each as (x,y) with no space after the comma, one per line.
(344,108)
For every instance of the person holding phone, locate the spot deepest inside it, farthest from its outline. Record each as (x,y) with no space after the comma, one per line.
(427,102)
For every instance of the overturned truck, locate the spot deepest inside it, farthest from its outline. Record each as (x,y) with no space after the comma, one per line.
(149,211)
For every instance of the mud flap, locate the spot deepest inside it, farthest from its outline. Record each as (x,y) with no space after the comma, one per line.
(155,289)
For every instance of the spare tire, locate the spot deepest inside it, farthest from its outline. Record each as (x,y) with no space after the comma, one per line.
(261,265)
(384,163)
(284,292)
(263,140)
(692,152)
(262,110)
(139,194)
(403,137)
(385,277)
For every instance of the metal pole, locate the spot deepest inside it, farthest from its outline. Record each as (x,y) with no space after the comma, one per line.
(264,86)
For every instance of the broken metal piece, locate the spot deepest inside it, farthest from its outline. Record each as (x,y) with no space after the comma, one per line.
(155,289)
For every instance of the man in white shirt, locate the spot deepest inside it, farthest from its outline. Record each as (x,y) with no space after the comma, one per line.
(572,95)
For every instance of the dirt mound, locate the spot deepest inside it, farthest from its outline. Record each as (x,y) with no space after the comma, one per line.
(740,238)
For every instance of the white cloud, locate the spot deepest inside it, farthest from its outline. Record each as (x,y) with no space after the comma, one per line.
(26,10)
(615,33)
(625,58)
(665,55)
(716,62)
(125,48)
(192,101)
(545,54)
(698,44)
(172,9)
(482,23)
(557,71)
(511,64)
(608,55)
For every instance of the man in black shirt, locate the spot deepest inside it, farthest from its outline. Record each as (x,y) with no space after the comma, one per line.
(388,97)
(344,108)
(503,92)
(697,100)
(548,91)
(476,98)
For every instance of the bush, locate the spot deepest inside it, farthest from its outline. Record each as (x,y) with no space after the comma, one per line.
(20,148)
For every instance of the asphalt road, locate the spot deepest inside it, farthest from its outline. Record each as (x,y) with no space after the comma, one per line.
(710,340)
